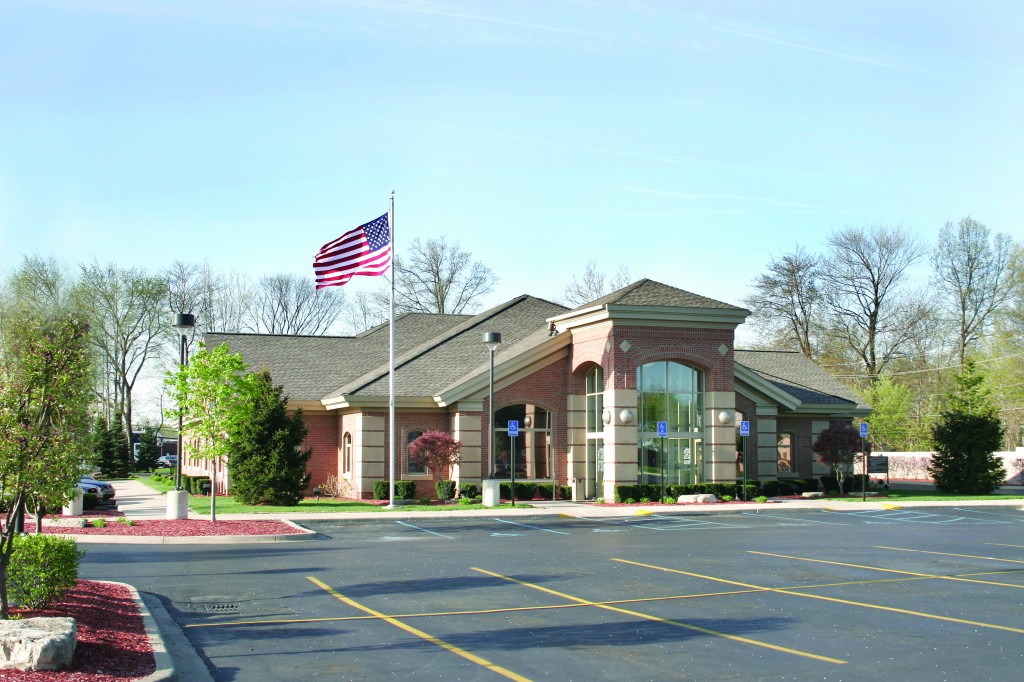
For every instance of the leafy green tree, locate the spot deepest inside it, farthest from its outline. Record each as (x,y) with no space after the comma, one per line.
(438,451)
(892,409)
(837,448)
(267,465)
(44,393)
(211,395)
(149,450)
(966,436)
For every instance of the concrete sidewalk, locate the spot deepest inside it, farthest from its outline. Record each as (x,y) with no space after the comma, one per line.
(138,501)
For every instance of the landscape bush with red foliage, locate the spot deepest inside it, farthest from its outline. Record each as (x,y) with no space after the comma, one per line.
(112,642)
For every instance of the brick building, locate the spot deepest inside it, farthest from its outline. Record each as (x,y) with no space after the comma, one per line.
(588,387)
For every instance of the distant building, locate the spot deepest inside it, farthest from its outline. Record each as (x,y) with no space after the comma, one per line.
(588,388)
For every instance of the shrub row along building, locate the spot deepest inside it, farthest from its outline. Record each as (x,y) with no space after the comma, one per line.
(643,385)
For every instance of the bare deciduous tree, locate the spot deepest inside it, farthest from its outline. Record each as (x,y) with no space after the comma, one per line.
(787,299)
(128,318)
(594,284)
(870,309)
(290,304)
(970,268)
(439,277)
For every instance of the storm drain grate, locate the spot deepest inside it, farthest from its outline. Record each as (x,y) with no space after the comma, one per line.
(216,608)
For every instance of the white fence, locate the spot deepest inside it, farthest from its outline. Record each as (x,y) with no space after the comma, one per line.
(913,466)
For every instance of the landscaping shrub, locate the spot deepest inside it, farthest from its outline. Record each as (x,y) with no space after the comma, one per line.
(470,490)
(404,490)
(381,490)
(445,489)
(42,569)
(526,491)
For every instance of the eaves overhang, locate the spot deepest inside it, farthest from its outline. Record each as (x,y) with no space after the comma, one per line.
(377,402)
(664,316)
(554,348)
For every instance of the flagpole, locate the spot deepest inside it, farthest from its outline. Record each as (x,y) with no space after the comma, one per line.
(391,365)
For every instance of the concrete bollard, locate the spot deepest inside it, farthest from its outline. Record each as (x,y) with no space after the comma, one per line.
(177,504)
(491,492)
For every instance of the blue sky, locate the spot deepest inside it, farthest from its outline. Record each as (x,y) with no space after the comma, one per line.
(688,141)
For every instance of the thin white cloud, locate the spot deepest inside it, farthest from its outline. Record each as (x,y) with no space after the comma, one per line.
(872,61)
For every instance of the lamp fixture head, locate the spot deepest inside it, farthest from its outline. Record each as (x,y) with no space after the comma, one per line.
(492,340)
(183,322)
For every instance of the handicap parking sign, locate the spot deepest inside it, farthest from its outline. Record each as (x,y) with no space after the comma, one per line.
(663,428)
(744,428)
(513,428)
(863,429)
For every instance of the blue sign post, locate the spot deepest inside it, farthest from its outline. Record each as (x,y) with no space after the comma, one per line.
(744,434)
(866,459)
(662,432)
(513,431)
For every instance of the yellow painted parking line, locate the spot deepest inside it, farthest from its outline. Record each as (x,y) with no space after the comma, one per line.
(643,512)
(915,574)
(665,621)
(547,607)
(962,556)
(834,600)
(999,544)
(458,651)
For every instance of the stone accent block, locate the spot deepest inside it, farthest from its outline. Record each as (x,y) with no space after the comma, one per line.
(37,643)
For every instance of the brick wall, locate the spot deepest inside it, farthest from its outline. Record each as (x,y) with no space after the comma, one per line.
(322,438)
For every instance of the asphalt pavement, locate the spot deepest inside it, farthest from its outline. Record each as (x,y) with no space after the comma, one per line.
(177,659)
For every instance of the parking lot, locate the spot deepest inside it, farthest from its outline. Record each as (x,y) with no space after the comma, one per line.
(917,594)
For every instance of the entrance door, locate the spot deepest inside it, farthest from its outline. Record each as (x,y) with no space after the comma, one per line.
(670,460)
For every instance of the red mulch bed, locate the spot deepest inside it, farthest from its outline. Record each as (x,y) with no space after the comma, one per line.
(172,528)
(112,641)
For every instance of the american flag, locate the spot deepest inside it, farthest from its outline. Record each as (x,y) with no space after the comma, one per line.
(365,250)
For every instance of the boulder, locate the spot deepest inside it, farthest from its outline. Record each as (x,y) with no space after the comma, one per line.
(37,643)
(812,496)
(696,499)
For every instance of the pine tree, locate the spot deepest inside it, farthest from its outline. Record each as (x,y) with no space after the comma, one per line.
(965,438)
(266,464)
(149,450)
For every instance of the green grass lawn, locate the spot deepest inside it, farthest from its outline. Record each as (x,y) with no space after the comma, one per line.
(932,496)
(325,505)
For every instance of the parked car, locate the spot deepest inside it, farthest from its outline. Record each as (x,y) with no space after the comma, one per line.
(168,461)
(102,488)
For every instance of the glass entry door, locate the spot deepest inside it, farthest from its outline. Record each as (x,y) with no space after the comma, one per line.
(669,460)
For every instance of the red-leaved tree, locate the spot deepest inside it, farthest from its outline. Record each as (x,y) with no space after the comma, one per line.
(837,448)
(438,451)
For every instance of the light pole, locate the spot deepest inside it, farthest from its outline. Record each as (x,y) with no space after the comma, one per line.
(492,341)
(183,323)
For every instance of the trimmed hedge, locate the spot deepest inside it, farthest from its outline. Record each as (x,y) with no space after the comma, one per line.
(404,490)
(43,569)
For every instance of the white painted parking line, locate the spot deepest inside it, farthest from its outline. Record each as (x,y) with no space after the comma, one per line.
(795,522)
(425,530)
(526,525)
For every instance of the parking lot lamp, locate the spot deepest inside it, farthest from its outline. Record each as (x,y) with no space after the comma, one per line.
(492,340)
(183,324)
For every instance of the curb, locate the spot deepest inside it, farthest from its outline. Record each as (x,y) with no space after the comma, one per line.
(164,665)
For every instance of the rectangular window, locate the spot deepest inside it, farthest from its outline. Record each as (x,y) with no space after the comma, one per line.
(411,468)
(785,450)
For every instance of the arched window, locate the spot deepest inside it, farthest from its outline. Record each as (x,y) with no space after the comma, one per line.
(346,453)
(670,400)
(531,456)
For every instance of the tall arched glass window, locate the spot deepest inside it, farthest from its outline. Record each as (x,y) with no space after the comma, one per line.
(595,434)
(671,393)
